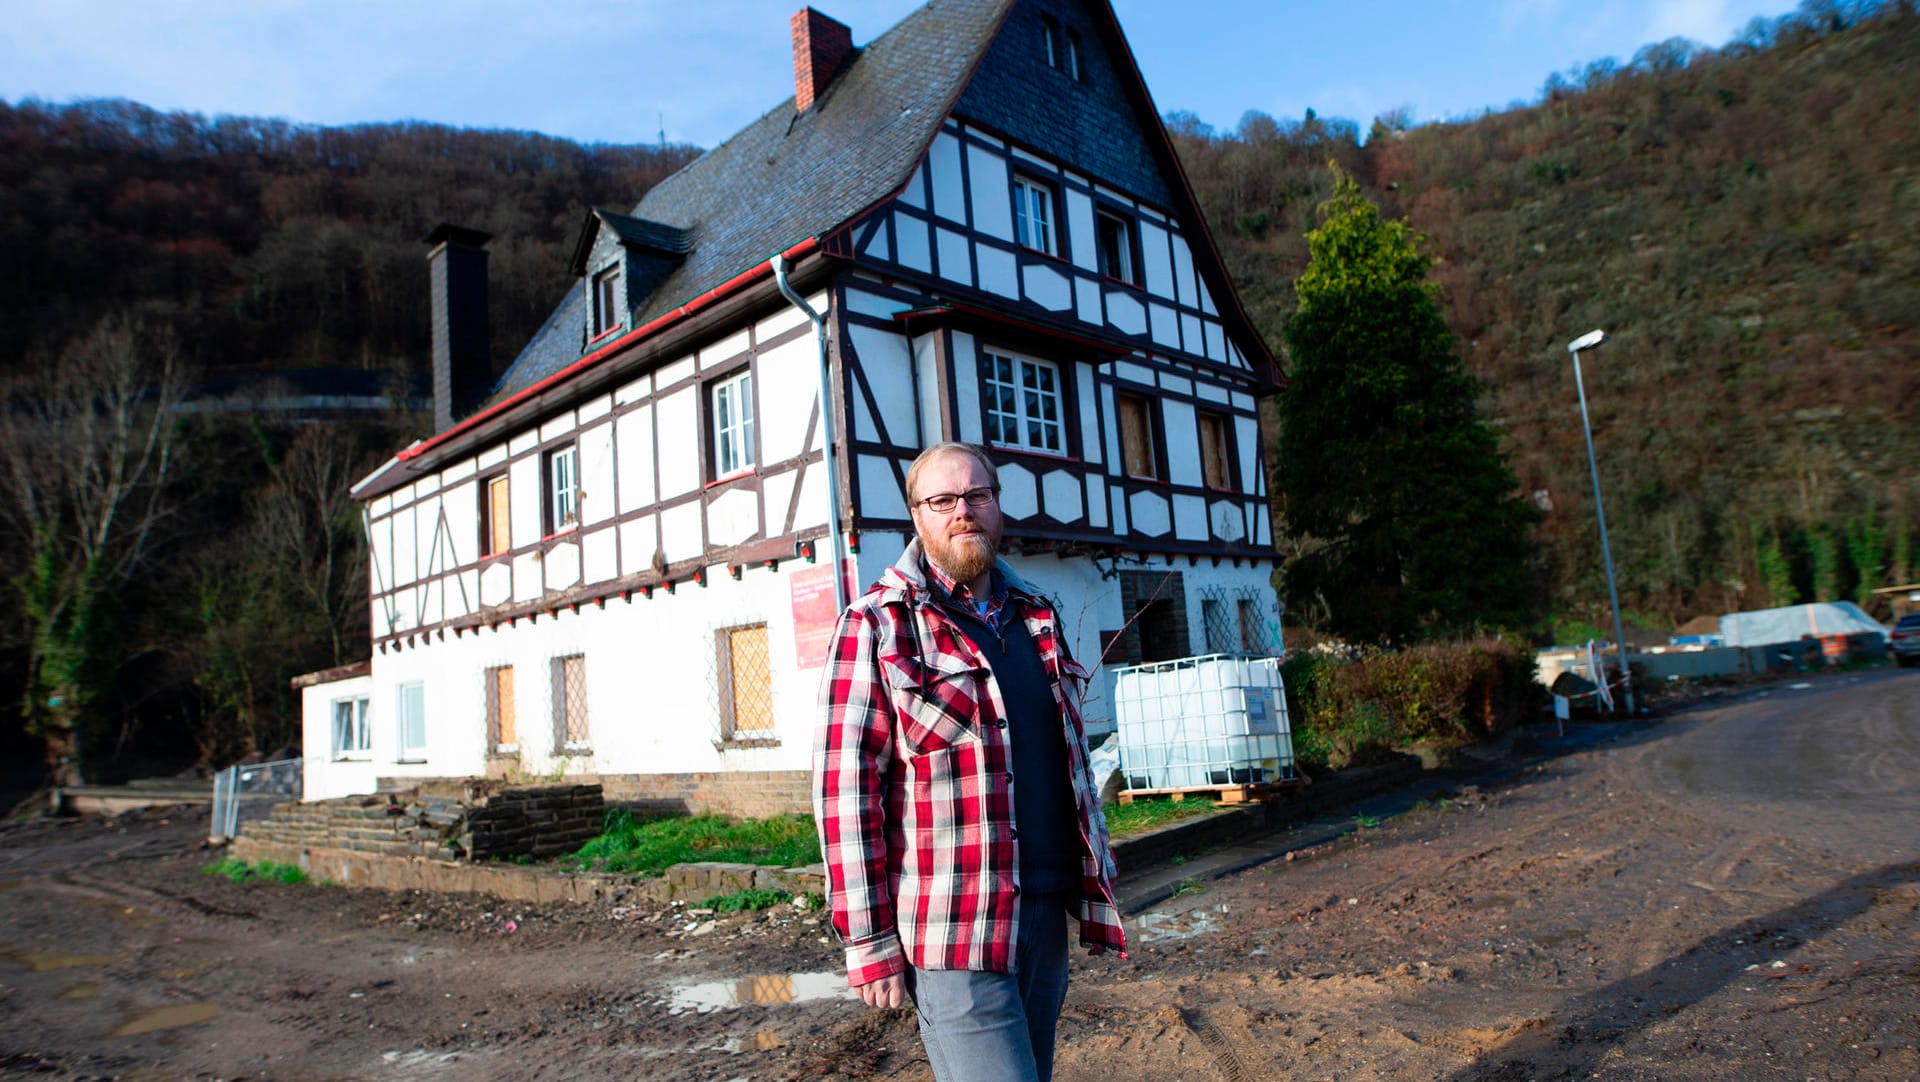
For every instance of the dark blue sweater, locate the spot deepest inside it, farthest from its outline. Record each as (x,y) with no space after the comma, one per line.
(1043,813)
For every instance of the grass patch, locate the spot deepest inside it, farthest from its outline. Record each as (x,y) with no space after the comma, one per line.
(1144,815)
(264,872)
(751,898)
(650,846)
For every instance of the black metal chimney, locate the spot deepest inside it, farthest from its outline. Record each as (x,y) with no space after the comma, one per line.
(462,367)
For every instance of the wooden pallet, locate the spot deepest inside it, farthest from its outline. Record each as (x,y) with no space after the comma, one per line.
(1219,794)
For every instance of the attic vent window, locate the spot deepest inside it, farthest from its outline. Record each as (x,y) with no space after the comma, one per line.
(606,301)
(1062,47)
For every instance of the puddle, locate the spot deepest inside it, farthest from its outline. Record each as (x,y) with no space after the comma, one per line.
(765,991)
(1154,927)
(49,961)
(83,990)
(171,1017)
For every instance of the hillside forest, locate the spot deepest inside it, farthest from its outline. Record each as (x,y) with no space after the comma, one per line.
(1740,219)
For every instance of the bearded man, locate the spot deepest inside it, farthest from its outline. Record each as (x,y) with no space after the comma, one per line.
(956,809)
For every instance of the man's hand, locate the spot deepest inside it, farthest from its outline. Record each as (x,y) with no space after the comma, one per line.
(888,991)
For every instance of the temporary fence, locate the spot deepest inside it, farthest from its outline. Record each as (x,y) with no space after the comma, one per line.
(249,791)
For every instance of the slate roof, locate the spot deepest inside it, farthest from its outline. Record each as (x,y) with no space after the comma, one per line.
(788,177)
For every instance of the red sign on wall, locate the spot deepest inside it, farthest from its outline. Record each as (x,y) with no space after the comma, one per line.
(814,614)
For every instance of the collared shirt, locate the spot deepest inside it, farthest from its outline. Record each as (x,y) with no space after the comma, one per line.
(913,785)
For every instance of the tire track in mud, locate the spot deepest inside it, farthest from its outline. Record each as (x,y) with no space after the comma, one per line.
(1233,1050)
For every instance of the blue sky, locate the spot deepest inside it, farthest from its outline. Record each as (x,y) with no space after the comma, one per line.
(609,71)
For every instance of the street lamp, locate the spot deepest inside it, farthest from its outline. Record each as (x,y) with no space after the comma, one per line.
(1589,341)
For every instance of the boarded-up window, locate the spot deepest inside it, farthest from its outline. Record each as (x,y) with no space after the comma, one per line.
(502,733)
(1214,463)
(1137,451)
(570,703)
(746,682)
(495,518)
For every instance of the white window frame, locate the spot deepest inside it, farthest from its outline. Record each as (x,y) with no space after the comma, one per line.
(563,488)
(353,739)
(606,301)
(1021,385)
(410,722)
(732,403)
(1033,214)
(1124,270)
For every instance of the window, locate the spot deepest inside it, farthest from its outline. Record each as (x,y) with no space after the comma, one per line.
(496,535)
(1113,242)
(1213,621)
(606,301)
(412,717)
(570,704)
(1023,404)
(351,737)
(1215,461)
(1139,451)
(733,424)
(746,683)
(1033,214)
(1253,630)
(563,488)
(1062,49)
(502,733)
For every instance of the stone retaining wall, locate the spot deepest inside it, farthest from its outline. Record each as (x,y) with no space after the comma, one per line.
(472,819)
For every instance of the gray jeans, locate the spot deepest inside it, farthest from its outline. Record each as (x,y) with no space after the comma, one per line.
(998,1027)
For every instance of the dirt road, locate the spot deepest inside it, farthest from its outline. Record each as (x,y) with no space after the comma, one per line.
(1732,893)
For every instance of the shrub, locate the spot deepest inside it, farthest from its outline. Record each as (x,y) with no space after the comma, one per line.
(1348,711)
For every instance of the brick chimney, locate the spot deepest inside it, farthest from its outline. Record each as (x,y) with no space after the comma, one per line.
(821,47)
(462,365)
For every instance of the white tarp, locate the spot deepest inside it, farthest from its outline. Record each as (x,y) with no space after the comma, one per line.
(1768,626)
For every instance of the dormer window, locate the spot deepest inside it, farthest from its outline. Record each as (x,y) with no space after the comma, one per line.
(606,301)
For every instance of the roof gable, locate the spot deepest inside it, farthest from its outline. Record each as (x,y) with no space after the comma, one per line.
(1091,123)
(793,176)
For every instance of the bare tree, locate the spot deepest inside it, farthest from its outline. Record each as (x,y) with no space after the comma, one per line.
(86,454)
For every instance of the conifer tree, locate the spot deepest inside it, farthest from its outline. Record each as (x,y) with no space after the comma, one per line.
(1403,514)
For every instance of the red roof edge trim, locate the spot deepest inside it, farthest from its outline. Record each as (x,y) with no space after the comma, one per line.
(732,285)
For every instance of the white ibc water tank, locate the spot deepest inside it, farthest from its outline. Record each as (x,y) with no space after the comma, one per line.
(1203,722)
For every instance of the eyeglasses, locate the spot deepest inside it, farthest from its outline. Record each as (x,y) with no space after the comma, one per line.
(947,501)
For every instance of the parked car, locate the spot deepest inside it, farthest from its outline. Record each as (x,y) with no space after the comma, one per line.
(1904,642)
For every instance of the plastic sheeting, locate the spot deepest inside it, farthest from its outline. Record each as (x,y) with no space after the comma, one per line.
(1768,626)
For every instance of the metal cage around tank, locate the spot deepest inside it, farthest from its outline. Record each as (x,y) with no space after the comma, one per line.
(1205,722)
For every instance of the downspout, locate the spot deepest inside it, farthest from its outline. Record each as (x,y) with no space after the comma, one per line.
(835,539)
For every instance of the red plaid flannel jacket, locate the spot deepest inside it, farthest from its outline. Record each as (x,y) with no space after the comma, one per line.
(913,788)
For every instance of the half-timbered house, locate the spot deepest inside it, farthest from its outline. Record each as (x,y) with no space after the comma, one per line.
(616,560)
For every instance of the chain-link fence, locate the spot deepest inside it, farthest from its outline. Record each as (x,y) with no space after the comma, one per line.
(247,792)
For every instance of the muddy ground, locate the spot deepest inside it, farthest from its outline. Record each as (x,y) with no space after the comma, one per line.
(1730,893)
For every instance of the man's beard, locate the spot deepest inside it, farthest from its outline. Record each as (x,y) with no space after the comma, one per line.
(965,557)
